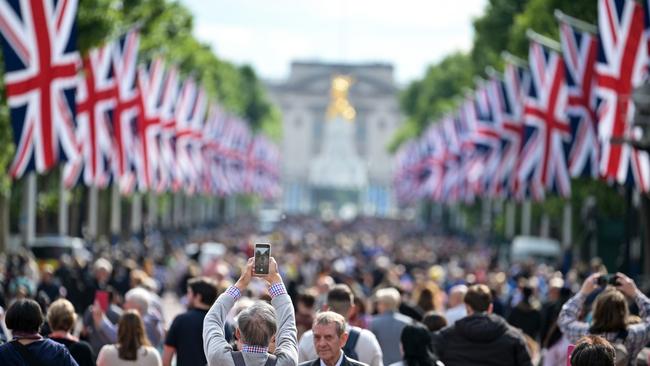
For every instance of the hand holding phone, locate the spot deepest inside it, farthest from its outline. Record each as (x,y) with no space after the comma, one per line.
(262,259)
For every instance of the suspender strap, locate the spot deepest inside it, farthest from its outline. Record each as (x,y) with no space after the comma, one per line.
(271,361)
(238,358)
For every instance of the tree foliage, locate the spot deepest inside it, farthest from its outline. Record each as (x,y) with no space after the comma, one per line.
(423,101)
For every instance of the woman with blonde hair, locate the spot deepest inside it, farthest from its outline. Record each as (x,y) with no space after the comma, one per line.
(132,348)
(62,318)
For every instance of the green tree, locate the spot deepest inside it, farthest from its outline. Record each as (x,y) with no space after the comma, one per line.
(426,100)
(539,16)
(492,32)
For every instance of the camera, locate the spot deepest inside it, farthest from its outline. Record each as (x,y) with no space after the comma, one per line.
(608,279)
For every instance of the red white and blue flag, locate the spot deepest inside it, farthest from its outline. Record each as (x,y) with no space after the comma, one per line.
(96,97)
(127,110)
(150,85)
(508,99)
(167,166)
(621,66)
(547,131)
(41,63)
(580,49)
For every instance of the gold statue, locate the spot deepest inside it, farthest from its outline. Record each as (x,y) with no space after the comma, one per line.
(339,104)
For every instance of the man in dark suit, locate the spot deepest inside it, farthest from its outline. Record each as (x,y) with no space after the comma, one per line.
(329,339)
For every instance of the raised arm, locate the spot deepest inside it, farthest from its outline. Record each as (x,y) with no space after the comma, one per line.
(568,321)
(216,348)
(287,337)
(638,334)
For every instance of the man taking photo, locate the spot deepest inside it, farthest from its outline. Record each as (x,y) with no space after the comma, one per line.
(257,325)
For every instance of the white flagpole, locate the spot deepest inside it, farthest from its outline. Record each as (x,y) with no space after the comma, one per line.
(526,208)
(28,211)
(63,207)
(567,219)
(510,219)
(136,213)
(93,208)
(116,210)
(152,212)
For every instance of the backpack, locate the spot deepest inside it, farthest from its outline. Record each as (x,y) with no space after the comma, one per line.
(622,354)
(351,344)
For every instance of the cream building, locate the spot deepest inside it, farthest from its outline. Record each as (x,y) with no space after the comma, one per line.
(339,160)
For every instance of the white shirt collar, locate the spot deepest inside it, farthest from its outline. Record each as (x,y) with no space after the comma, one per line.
(338,363)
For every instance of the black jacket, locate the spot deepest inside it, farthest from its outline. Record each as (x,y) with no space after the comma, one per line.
(481,339)
(346,362)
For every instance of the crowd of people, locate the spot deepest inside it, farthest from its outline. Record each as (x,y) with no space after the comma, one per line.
(370,291)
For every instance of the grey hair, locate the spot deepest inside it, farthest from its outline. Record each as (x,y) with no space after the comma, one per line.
(330,317)
(140,297)
(257,324)
(389,297)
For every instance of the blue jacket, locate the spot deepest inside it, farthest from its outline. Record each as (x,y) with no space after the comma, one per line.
(46,351)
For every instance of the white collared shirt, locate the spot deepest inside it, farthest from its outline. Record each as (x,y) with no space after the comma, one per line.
(367,348)
(338,363)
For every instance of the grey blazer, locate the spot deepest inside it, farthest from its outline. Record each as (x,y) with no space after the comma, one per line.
(387,328)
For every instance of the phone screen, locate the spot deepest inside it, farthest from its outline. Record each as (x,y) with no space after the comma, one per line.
(101,297)
(262,255)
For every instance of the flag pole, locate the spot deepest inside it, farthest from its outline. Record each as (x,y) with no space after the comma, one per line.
(63,206)
(515,60)
(116,212)
(543,40)
(93,208)
(574,22)
(28,211)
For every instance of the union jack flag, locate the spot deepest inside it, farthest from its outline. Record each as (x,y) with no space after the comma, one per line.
(488,137)
(125,54)
(432,172)
(621,66)
(473,148)
(262,170)
(547,128)
(168,131)
(237,142)
(195,146)
(184,112)
(211,144)
(458,155)
(407,163)
(41,60)
(580,49)
(150,86)
(95,101)
(508,99)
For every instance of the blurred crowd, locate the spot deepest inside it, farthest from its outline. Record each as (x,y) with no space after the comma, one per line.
(393,275)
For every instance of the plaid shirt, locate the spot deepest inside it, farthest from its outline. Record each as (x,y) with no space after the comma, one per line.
(254,349)
(638,335)
(275,290)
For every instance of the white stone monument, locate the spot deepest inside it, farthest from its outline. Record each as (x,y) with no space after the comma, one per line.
(338,165)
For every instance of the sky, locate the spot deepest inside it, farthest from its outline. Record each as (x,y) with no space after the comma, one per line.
(269,35)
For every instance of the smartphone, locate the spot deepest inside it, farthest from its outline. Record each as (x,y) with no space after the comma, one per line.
(608,279)
(101,297)
(262,258)
(569,351)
